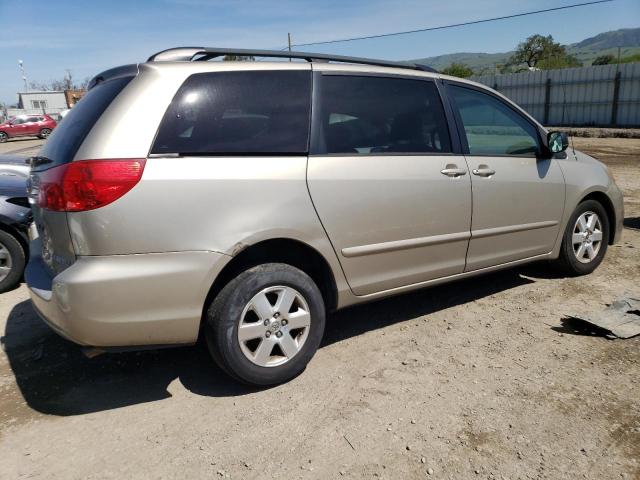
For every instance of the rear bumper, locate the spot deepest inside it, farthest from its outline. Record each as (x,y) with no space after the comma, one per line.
(125,300)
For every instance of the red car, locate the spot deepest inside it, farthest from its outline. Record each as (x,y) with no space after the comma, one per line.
(39,125)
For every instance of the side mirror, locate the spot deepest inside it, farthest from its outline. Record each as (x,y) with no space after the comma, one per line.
(557,142)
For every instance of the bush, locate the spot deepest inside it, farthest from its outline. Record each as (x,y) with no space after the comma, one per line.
(458,70)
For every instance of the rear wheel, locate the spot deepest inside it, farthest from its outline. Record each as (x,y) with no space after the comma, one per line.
(585,239)
(12,261)
(266,324)
(45,132)
(3,137)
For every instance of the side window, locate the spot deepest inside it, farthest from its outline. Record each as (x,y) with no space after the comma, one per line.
(371,115)
(491,127)
(250,112)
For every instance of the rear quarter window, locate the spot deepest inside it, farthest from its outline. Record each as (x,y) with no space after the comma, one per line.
(251,112)
(69,134)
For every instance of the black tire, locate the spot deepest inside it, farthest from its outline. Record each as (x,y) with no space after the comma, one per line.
(223,317)
(44,133)
(9,245)
(568,262)
(3,137)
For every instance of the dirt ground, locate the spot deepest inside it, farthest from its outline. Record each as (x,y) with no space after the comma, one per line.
(485,378)
(25,146)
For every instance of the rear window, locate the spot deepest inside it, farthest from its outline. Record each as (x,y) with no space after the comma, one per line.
(256,112)
(69,134)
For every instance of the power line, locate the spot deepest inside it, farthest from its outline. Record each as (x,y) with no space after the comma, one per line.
(442,27)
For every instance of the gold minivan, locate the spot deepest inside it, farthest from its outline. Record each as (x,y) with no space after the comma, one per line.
(245,199)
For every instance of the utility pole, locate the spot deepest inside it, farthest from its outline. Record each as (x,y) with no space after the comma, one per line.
(24,76)
(289,40)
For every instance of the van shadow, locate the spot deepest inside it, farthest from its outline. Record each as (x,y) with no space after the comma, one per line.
(55,378)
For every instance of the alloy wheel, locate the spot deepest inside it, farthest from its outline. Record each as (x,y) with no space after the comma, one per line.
(587,237)
(5,262)
(274,326)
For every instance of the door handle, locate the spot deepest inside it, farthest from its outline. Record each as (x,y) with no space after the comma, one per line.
(483,171)
(453,171)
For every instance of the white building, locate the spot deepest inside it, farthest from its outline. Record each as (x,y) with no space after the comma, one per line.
(50,102)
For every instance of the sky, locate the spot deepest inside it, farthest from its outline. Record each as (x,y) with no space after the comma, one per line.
(88,37)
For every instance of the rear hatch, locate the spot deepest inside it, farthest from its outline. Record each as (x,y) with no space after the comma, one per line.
(49,166)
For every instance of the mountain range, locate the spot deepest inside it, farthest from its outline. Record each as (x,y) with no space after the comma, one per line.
(628,39)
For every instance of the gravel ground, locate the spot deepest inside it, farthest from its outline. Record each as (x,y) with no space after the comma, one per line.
(485,378)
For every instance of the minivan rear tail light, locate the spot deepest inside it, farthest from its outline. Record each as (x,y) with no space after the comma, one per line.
(87,184)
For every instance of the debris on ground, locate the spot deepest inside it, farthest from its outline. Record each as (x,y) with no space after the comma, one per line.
(621,319)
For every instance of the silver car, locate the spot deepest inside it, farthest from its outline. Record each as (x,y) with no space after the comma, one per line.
(247,199)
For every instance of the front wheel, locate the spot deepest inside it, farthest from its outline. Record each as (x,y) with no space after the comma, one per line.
(3,137)
(585,239)
(266,324)
(44,133)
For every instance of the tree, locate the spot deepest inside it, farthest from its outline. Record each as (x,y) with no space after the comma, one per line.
(65,83)
(604,60)
(535,49)
(458,70)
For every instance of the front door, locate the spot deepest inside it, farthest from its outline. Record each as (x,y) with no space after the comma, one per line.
(518,197)
(393,198)
(19,127)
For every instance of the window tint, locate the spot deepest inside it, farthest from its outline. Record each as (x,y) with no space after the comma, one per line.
(491,127)
(67,137)
(18,121)
(363,115)
(238,112)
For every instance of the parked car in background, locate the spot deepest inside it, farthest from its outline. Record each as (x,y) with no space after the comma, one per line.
(27,126)
(14,164)
(256,196)
(15,218)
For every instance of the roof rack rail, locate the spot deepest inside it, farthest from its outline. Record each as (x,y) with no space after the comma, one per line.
(188,54)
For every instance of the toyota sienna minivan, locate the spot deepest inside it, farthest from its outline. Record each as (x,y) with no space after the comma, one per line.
(247,199)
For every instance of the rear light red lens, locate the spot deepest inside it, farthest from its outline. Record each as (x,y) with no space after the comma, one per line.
(88,184)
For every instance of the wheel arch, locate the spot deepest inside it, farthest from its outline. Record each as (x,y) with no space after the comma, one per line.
(604,200)
(280,250)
